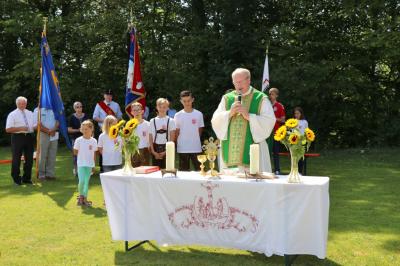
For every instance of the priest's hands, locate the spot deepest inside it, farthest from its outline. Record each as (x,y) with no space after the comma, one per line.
(238,108)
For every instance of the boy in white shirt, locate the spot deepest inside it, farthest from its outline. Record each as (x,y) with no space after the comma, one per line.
(189,126)
(142,131)
(162,129)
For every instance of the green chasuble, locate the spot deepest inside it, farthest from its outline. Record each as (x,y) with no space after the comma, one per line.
(236,149)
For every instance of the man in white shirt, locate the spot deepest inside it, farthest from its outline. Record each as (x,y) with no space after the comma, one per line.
(103,109)
(48,143)
(20,124)
(189,126)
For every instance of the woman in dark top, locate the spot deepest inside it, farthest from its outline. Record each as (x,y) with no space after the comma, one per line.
(74,124)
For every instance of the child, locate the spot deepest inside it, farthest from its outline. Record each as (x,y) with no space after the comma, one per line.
(279,112)
(162,129)
(85,148)
(112,156)
(299,115)
(189,126)
(303,124)
(142,131)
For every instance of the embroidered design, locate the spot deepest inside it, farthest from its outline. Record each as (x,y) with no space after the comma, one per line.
(209,213)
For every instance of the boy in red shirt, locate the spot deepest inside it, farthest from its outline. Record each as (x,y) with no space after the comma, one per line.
(279,111)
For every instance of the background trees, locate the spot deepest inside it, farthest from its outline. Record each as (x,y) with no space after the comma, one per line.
(339,60)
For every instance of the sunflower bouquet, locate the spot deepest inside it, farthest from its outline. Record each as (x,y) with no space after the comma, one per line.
(297,143)
(130,141)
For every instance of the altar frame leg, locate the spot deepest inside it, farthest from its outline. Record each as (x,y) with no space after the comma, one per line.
(289,259)
(127,248)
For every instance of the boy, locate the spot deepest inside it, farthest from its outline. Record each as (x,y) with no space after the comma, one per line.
(162,130)
(189,126)
(279,112)
(142,131)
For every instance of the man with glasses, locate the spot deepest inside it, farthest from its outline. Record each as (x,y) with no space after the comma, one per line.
(243,117)
(74,125)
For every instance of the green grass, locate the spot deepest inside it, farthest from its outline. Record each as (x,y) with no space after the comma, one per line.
(41,224)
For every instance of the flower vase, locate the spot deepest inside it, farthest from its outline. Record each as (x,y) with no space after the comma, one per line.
(128,168)
(294,176)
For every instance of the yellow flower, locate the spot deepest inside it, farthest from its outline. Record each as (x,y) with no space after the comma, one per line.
(113,132)
(132,123)
(126,132)
(310,135)
(280,133)
(294,138)
(292,123)
(121,123)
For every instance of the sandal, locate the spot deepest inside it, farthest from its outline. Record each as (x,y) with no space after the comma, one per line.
(81,201)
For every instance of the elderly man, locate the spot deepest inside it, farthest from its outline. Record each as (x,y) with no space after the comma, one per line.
(20,124)
(48,143)
(244,116)
(104,108)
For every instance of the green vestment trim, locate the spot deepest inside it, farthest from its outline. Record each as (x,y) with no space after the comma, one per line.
(236,149)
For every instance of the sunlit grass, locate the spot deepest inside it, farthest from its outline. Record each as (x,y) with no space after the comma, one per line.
(41,224)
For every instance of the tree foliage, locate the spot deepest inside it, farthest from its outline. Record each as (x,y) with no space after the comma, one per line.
(339,60)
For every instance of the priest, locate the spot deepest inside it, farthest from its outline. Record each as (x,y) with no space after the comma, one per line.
(243,117)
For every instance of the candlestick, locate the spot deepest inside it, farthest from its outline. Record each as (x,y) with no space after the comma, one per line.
(170,156)
(254,159)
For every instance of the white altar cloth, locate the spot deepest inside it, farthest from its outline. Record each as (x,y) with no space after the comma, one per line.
(268,216)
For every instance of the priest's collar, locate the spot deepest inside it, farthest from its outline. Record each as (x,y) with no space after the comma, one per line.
(250,90)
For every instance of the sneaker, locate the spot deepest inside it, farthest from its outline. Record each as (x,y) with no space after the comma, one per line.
(277,172)
(41,178)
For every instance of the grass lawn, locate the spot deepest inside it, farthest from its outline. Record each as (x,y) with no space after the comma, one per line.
(41,224)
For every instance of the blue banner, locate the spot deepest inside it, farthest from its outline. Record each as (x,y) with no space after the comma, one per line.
(50,90)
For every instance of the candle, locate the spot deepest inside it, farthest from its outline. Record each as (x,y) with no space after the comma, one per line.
(170,156)
(254,159)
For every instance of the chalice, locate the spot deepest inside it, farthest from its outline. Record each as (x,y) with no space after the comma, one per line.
(211,158)
(202,159)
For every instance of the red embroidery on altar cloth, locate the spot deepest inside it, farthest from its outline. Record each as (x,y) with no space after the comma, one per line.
(208,213)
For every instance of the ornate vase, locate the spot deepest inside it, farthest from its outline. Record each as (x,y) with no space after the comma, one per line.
(294,176)
(128,168)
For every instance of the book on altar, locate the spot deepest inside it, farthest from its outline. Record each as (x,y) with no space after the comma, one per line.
(146,169)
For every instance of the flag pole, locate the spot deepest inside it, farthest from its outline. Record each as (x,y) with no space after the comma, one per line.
(45,20)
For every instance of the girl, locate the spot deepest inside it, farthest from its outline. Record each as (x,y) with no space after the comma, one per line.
(303,124)
(162,129)
(85,148)
(299,115)
(112,156)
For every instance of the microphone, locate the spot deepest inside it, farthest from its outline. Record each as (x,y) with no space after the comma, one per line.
(239,98)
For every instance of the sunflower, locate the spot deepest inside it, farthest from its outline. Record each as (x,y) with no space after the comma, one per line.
(126,132)
(292,123)
(121,123)
(113,132)
(294,138)
(280,133)
(132,123)
(310,134)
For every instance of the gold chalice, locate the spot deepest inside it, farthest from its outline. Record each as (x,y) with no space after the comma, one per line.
(202,159)
(211,158)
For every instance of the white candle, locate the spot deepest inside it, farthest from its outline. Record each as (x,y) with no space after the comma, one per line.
(254,159)
(170,156)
